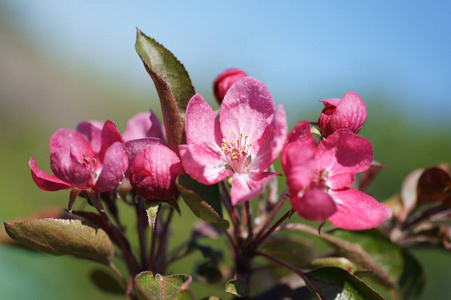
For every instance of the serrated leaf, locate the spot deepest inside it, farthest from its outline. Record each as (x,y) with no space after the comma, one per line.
(336,283)
(163,287)
(63,237)
(237,288)
(172,82)
(152,213)
(203,200)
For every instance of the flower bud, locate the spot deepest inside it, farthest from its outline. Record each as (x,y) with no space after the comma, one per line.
(224,81)
(349,112)
(154,173)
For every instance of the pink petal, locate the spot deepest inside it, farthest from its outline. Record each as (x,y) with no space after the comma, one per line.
(349,113)
(143,125)
(224,81)
(343,154)
(247,186)
(46,181)
(134,147)
(202,125)
(299,167)
(154,173)
(356,210)
(67,167)
(300,134)
(73,142)
(313,204)
(110,135)
(115,163)
(247,108)
(203,165)
(92,132)
(266,150)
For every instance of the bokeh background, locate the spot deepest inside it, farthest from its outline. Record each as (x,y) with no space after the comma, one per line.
(66,61)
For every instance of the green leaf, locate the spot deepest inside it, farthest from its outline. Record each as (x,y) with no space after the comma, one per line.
(339,262)
(336,283)
(152,211)
(172,82)
(203,200)
(237,288)
(291,249)
(107,282)
(63,237)
(163,287)
(371,250)
(413,277)
(209,272)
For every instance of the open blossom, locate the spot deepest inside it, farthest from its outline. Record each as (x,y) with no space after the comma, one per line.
(88,158)
(154,172)
(224,81)
(349,112)
(319,178)
(245,141)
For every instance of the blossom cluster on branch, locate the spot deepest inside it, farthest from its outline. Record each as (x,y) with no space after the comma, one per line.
(226,160)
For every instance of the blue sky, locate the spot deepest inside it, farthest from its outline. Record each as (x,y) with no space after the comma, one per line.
(303,51)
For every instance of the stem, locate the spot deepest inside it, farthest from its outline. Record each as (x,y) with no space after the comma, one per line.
(261,238)
(120,239)
(225,197)
(162,245)
(150,265)
(118,273)
(283,197)
(308,282)
(142,226)
(250,222)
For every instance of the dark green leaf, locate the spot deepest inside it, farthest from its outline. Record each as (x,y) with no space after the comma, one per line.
(336,283)
(172,82)
(237,288)
(209,272)
(61,237)
(106,282)
(203,200)
(163,287)
(371,250)
(292,249)
(413,277)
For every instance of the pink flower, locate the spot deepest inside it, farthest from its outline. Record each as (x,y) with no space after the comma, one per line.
(246,141)
(154,172)
(319,178)
(349,112)
(224,81)
(88,158)
(143,125)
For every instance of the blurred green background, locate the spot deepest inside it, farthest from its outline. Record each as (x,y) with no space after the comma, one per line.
(46,84)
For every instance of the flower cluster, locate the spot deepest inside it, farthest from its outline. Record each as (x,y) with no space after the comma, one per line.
(96,156)
(239,146)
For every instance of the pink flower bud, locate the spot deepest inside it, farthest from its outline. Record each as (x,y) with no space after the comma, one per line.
(154,173)
(224,81)
(349,112)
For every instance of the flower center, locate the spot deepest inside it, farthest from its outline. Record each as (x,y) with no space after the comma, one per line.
(90,164)
(236,151)
(320,178)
